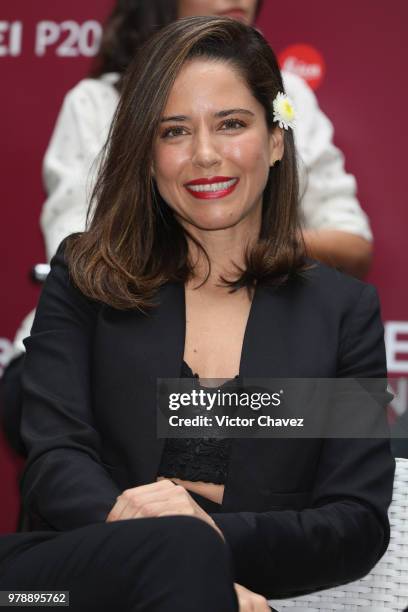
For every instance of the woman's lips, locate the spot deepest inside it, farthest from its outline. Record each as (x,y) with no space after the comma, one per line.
(204,189)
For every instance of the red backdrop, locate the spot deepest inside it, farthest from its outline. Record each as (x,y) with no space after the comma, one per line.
(363,90)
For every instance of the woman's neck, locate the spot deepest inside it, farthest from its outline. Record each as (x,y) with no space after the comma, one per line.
(226,250)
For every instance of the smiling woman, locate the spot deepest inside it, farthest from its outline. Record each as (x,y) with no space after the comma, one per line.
(192,266)
(215,151)
(206,115)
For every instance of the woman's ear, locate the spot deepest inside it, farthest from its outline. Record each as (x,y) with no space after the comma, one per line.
(276,146)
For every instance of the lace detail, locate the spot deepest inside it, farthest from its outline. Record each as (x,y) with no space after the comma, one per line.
(204,459)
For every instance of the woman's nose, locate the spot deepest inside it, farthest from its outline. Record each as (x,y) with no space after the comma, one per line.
(205,153)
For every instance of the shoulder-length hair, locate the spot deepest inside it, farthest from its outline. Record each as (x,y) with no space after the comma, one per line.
(127,28)
(134,243)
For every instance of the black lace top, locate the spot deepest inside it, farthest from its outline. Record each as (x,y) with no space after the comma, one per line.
(204,459)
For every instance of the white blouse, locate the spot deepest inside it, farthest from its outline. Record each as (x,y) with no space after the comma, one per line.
(328,193)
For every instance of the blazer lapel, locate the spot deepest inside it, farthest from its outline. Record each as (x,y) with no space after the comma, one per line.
(151,346)
(264,355)
(264,350)
(163,338)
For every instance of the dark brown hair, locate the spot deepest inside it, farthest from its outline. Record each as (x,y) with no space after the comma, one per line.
(134,243)
(127,28)
(130,24)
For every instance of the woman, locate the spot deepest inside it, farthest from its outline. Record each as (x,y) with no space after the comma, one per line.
(335,228)
(81,130)
(192,255)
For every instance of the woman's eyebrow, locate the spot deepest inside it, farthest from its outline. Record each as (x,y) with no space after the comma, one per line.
(222,113)
(231,111)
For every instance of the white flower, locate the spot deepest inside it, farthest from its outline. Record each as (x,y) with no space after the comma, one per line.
(284,111)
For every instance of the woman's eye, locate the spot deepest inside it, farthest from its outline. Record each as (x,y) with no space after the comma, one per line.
(179,130)
(233,124)
(172,132)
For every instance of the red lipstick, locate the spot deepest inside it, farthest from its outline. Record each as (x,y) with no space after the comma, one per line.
(211,188)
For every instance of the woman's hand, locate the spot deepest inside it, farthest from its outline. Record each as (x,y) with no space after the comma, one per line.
(250,601)
(163,498)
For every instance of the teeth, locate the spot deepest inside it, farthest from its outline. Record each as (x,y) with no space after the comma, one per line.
(213,186)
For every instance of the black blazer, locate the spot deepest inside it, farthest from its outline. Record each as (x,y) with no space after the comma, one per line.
(298,514)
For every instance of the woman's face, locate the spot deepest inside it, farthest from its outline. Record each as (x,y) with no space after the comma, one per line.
(243,10)
(213,152)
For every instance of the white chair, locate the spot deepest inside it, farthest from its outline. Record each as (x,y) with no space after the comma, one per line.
(386,586)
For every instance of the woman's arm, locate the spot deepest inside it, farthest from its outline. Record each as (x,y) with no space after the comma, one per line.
(69,163)
(345,530)
(64,484)
(339,249)
(337,230)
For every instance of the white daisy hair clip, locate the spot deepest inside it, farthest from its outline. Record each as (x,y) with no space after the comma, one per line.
(284,111)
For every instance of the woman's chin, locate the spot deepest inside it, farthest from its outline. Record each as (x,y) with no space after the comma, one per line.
(213,223)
